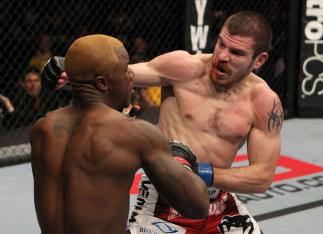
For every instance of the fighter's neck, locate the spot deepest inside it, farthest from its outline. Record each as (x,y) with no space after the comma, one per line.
(87,99)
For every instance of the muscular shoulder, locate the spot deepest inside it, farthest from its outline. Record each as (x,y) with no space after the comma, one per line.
(148,132)
(41,128)
(267,107)
(52,123)
(38,128)
(146,136)
(179,65)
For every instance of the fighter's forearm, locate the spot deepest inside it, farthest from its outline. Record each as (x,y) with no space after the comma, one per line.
(250,179)
(183,189)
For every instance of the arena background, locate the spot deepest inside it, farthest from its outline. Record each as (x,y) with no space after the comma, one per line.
(149,28)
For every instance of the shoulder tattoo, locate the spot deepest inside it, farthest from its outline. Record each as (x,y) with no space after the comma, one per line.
(63,126)
(275,117)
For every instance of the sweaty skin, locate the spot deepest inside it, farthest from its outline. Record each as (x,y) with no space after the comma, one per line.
(83,175)
(219,105)
(85,156)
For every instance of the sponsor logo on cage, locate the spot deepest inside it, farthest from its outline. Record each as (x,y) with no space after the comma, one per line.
(306,177)
(283,189)
(199,32)
(313,61)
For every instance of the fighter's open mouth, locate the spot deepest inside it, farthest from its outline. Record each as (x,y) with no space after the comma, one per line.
(220,69)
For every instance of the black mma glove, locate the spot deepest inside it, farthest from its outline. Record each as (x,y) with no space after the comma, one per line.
(185,155)
(52,71)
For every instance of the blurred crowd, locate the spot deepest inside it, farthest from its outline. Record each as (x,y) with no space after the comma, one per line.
(26,101)
(33,32)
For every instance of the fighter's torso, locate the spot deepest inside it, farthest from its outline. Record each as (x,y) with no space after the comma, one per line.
(91,176)
(214,124)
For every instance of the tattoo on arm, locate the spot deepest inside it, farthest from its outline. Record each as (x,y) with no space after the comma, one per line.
(62,126)
(275,117)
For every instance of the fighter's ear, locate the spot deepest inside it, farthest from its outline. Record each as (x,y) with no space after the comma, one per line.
(260,59)
(101,82)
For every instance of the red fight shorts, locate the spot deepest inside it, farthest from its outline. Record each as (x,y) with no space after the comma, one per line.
(152,215)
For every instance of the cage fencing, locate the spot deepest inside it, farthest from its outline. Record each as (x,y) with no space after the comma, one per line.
(34,30)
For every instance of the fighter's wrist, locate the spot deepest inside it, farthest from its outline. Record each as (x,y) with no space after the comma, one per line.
(206,172)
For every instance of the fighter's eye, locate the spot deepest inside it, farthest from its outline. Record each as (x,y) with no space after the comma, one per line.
(221,45)
(237,52)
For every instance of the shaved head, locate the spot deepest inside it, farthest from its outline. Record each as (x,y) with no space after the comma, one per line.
(95,55)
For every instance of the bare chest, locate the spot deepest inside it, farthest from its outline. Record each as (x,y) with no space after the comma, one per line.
(230,120)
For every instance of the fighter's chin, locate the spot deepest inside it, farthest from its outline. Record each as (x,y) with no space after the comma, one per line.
(220,83)
(219,77)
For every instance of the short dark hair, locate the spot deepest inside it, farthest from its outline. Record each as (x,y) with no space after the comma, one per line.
(251,24)
(30,69)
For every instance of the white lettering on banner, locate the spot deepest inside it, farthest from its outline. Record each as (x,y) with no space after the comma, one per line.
(314,3)
(200,8)
(317,58)
(199,37)
(313,32)
(200,31)
(299,186)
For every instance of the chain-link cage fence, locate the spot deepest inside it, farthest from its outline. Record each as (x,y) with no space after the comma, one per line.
(34,30)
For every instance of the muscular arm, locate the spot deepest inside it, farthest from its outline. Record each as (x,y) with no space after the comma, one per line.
(263,147)
(183,189)
(168,68)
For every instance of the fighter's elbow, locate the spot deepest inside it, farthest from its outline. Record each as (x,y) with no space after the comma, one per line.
(197,214)
(199,211)
(263,185)
(204,210)
(260,189)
